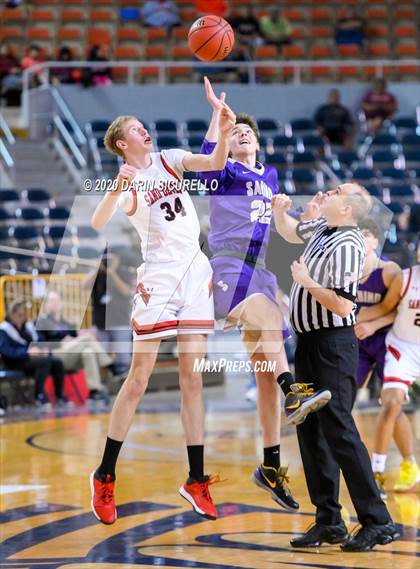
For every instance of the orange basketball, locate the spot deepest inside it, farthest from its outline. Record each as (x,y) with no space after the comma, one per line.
(211,38)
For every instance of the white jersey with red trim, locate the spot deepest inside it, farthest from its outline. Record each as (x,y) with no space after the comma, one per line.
(163,213)
(407,322)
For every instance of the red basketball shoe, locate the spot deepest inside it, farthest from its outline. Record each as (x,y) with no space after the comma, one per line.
(198,495)
(103,501)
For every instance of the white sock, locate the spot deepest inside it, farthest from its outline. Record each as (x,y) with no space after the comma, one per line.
(378,462)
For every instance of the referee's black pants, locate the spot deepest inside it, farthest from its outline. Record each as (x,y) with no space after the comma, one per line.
(329,440)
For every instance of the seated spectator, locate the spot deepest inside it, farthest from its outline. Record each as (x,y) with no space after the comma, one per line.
(246,28)
(214,7)
(240,52)
(11,87)
(275,29)
(34,57)
(64,74)
(334,121)
(350,29)
(76,351)
(19,351)
(160,14)
(8,60)
(378,105)
(97,76)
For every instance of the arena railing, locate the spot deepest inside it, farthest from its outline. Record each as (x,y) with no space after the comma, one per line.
(298,67)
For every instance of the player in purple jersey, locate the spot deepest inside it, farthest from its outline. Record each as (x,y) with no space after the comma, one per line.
(245,291)
(380,287)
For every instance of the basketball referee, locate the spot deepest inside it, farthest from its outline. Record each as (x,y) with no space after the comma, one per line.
(323,315)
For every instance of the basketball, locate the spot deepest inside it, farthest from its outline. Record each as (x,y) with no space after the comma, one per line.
(211,38)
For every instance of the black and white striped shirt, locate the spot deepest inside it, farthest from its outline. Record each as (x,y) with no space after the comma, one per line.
(335,257)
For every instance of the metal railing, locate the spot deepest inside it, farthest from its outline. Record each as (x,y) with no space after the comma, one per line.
(68,139)
(251,67)
(6,130)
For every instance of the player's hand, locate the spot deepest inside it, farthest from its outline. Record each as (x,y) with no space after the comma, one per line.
(280,203)
(227,120)
(364,330)
(300,273)
(215,103)
(313,208)
(126,175)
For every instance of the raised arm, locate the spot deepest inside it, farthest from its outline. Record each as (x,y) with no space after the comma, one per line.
(106,208)
(217,105)
(285,224)
(392,276)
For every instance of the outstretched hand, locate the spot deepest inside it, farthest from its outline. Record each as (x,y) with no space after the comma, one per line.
(227,120)
(215,103)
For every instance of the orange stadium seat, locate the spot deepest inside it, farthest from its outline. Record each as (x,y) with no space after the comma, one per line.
(154,52)
(405,31)
(181,52)
(180,33)
(321,52)
(266,52)
(405,13)
(321,15)
(273,3)
(156,35)
(64,34)
(72,16)
(44,2)
(185,3)
(319,72)
(103,2)
(376,14)
(350,51)
(11,15)
(10,33)
(38,34)
(298,33)
(377,31)
(266,73)
(125,52)
(294,15)
(42,15)
(322,2)
(99,36)
(101,16)
(73,2)
(407,70)
(293,52)
(188,15)
(320,32)
(128,34)
(379,50)
(406,50)
(370,71)
(348,72)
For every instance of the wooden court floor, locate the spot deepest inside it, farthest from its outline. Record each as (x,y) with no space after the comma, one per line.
(46,521)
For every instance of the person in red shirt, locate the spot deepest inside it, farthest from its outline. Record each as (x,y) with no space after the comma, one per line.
(214,7)
(32,58)
(378,105)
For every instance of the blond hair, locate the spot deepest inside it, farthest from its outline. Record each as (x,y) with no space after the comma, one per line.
(115,133)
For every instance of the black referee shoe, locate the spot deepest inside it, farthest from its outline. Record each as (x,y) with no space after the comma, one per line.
(302,400)
(318,534)
(370,535)
(275,482)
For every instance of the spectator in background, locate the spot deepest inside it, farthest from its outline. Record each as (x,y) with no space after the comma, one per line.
(11,87)
(334,121)
(239,53)
(17,348)
(214,7)
(8,60)
(111,306)
(65,74)
(98,76)
(275,29)
(378,105)
(350,29)
(160,14)
(75,351)
(32,58)
(246,28)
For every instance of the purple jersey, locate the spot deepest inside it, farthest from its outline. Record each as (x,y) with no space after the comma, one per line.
(240,214)
(372,349)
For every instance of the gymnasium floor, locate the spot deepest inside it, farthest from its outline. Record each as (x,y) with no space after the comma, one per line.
(47,522)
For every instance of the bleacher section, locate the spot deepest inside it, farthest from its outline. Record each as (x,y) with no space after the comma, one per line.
(393,32)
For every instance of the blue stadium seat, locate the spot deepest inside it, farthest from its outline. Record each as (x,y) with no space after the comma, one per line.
(383,159)
(30,214)
(401,191)
(5,216)
(374,190)
(307,157)
(195,142)
(268,127)
(412,158)
(99,125)
(347,157)
(24,233)
(37,195)
(363,174)
(411,141)
(302,125)
(166,126)
(86,232)
(55,232)
(276,159)
(4,234)
(282,142)
(405,124)
(395,207)
(7,195)
(168,141)
(58,213)
(197,126)
(394,174)
(312,142)
(304,181)
(384,139)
